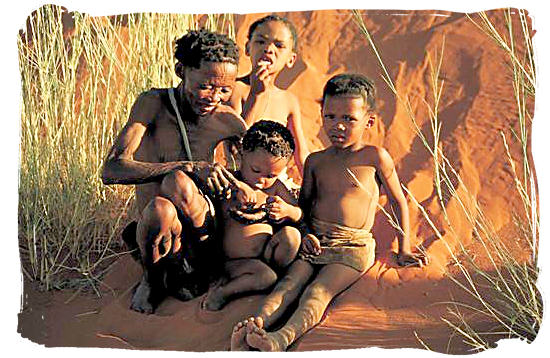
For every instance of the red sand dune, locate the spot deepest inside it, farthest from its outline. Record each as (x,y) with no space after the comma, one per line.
(389,305)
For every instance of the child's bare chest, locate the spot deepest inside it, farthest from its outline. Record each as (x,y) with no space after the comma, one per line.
(341,178)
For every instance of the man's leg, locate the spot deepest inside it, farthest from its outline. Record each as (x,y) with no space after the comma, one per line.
(182,191)
(159,234)
(156,231)
(245,275)
(331,280)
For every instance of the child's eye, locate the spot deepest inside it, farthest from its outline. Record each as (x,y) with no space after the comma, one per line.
(205,87)
(254,170)
(226,90)
(279,44)
(350,119)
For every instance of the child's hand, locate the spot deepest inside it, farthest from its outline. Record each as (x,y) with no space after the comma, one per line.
(311,245)
(260,78)
(277,208)
(245,195)
(408,259)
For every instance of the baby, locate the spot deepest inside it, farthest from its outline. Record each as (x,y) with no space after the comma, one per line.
(339,196)
(256,242)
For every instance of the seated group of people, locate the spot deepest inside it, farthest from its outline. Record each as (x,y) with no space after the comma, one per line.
(204,228)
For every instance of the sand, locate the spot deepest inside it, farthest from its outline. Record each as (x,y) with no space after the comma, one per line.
(389,307)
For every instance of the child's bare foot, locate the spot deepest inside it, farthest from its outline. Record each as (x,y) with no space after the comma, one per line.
(238,337)
(142,299)
(258,338)
(214,300)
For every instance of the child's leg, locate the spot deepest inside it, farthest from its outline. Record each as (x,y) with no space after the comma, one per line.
(275,304)
(283,247)
(245,275)
(331,280)
(286,291)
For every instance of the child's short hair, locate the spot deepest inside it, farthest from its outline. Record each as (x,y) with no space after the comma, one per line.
(275,138)
(273,17)
(204,45)
(352,84)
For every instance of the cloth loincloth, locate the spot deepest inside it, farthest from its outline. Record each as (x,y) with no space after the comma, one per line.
(343,245)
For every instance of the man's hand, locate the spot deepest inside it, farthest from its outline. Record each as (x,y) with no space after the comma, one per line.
(220,181)
(408,259)
(311,245)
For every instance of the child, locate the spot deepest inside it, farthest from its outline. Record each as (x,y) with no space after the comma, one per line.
(166,129)
(272,45)
(260,203)
(339,197)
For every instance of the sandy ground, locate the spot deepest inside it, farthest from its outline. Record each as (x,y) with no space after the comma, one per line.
(389,307)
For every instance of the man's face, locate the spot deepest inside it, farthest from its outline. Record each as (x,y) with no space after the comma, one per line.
(345,119)
(271,46)
(260,169)
(209,85)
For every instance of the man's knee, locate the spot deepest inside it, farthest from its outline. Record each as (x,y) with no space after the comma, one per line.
(159,212)
(178,187)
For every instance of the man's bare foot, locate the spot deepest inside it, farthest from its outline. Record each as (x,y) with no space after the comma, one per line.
(141,300)
(238,337)
(214,300)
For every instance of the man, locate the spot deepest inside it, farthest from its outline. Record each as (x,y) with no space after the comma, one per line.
(168,129)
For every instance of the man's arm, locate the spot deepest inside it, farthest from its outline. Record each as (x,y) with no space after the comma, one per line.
(120,166)
(388,176)
(295,126)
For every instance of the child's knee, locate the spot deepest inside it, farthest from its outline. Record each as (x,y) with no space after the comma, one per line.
(265,277)
(288,244)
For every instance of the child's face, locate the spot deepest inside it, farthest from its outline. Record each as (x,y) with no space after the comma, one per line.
(260,169)
(271,45)
(345,119)
(209,85)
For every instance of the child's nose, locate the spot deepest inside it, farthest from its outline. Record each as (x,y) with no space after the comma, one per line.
(340,126)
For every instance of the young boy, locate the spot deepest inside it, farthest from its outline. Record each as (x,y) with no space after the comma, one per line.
(254,236)
(339,197)
(272,45)
(166,129)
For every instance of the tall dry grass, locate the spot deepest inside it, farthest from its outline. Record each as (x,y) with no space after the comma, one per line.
(79,77)
(506,292)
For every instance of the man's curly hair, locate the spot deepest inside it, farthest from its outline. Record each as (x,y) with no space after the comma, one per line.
(351,84)
(203,45)
(271,136)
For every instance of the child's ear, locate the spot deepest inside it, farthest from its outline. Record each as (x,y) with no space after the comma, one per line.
(246,49)
(179,68)
(292,60)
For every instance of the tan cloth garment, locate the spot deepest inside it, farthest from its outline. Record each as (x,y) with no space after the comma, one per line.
(341,244)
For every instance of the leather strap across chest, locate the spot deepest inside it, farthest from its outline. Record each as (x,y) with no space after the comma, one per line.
(183,130)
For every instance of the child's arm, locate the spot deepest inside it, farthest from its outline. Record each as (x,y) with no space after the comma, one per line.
(295,126)
(261,84)
(388,176)
(310,243)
